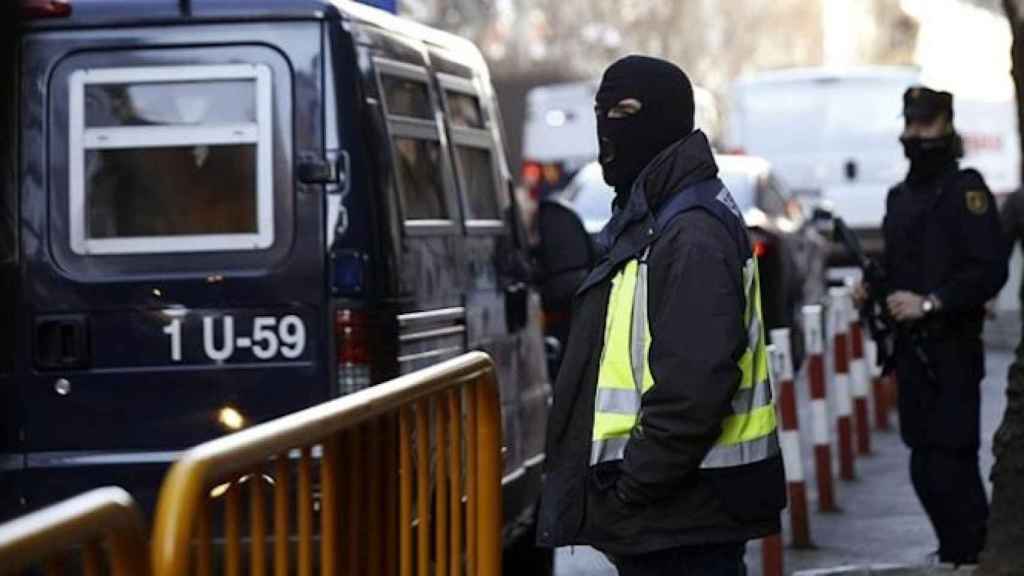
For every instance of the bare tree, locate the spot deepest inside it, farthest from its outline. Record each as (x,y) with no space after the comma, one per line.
(1003,554)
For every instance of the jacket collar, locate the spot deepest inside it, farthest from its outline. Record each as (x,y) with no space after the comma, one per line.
(633,226)
(682,164)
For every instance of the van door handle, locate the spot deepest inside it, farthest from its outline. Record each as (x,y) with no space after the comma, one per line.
(62,342)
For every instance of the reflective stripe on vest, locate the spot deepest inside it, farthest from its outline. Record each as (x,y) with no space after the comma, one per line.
(748,434)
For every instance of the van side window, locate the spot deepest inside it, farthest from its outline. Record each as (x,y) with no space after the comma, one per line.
(406,97)
(170,159)
(419,179)
(416,149)
(464,110)
(475,159)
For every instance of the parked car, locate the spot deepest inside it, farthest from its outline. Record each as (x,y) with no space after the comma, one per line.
(791,253)
(248,208)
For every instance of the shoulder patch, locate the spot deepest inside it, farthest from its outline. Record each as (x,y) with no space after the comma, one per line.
(977,201)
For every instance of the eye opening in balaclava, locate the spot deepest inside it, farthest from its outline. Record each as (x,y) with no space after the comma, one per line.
(643,106)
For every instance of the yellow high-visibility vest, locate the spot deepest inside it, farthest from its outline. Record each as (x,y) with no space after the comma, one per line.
(748,434)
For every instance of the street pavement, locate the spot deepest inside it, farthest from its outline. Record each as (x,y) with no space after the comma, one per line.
(881,521)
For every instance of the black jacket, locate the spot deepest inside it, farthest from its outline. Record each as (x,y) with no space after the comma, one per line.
(943,237)
(658,496)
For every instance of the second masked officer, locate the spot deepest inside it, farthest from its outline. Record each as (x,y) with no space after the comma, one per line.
(662,448)
(945,258)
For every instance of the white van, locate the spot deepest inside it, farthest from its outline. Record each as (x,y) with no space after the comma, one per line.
(834,135)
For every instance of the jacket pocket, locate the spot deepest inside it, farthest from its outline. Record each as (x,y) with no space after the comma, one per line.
(751,493)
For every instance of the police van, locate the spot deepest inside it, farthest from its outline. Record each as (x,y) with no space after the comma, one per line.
(223,212)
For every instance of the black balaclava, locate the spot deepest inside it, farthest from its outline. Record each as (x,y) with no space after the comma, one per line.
(929,157)
(665,115)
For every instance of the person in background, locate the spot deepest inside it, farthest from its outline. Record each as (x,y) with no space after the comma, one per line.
(945,258)
(662,448)
(1011,216)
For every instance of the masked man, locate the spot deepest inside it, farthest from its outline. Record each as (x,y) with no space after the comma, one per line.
(662,449)
(944,258)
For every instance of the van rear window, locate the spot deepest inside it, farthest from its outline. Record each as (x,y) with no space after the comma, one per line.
(171,191)
(170,159)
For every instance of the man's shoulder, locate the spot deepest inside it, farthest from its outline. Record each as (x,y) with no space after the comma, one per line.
(698,228)
(970,179)
(970,194)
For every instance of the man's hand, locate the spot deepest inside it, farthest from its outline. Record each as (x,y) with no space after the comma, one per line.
(905,306)
(859,293)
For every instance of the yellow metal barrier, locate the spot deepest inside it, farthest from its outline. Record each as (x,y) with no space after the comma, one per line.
(103,526)
(379,454)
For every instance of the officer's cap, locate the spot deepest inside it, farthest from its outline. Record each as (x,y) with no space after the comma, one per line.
(924,104)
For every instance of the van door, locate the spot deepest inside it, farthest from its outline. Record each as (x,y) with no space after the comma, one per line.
(175,269)
(502,313)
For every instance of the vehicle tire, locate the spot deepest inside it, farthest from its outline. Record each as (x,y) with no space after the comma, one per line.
(523,556)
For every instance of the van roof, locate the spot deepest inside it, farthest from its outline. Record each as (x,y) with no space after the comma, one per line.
(104,13)
(827,74)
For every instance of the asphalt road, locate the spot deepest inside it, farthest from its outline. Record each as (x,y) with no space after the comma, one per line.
(881,520)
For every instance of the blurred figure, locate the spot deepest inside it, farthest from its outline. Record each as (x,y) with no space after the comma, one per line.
(944,258)
(1012,219)
(662,449)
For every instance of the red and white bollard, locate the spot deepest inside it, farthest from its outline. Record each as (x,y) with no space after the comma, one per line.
(859,378)
(790,438)
(844,407)
(815,343)
(771,555)
(878,387)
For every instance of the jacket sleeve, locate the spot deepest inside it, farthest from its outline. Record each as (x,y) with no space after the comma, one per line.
(982,270)
(697,338)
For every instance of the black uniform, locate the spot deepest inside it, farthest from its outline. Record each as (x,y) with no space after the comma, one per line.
(942,238)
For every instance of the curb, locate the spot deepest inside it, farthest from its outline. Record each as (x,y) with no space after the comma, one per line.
(887,570)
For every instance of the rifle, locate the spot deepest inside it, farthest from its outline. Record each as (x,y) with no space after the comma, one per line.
(874,310)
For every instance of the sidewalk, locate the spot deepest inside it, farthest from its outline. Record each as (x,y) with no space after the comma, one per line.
(881,522)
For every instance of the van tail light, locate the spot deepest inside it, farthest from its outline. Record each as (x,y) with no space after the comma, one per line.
(351,337)
(35,9)
(761,248)
(532,174)
(542,178)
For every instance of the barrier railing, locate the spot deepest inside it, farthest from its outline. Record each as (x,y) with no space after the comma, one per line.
(379,454)
(91,533)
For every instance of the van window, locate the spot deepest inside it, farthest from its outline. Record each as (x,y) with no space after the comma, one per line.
(464,110)
(406,97)
(417,153)
(476,166)
(419,179)
(473,148)
(170,159)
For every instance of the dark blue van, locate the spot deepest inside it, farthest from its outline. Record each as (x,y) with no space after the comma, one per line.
(220,212)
